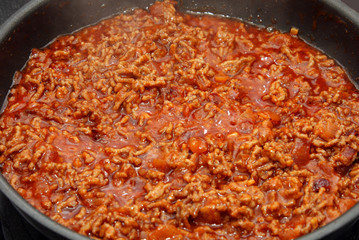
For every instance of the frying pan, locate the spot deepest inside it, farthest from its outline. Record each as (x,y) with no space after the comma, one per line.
(328,25)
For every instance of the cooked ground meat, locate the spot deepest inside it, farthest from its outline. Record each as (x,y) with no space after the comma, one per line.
(160,124)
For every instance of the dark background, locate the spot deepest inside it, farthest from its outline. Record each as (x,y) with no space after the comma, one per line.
(8,7)
(12,226)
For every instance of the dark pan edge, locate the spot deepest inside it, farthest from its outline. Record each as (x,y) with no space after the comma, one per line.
(345,10)
(31,213)
(7,27)
(26,209)
(350,217)
(335,228)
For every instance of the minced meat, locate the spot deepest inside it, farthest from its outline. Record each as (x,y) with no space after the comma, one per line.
(159,124)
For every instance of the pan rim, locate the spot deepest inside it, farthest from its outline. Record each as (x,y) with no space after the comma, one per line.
(344,10)
(26,209)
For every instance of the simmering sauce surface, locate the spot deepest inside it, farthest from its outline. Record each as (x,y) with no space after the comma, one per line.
(163,125)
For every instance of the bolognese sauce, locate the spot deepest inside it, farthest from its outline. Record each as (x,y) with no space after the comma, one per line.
(164,125)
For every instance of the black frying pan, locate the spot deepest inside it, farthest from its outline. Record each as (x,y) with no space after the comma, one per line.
(326,24)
